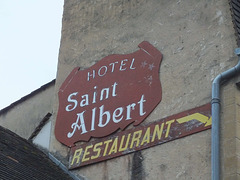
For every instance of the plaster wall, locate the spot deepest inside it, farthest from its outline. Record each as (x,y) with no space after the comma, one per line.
(197,41)
(26,115)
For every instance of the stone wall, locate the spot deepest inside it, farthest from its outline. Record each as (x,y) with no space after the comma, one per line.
(230,128)
(197,41)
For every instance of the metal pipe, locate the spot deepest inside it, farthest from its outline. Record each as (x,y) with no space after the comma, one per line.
(61,165)
(216,115)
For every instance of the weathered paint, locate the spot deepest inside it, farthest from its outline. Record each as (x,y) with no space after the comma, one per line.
(141,137)
(115,92)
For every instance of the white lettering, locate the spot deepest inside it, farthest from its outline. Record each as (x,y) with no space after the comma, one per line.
(120,65)
(106,90)
(116,115)
(114,89)
(129,108)
(75,125)
(131,67)
(141,113)
(104,72)
(93,119)
(105,116)
(101,114)
(68,107)
(94,95)
(113,65)
(84,101)
(91,75)
(123,64)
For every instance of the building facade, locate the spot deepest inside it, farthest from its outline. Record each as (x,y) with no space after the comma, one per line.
(197,40)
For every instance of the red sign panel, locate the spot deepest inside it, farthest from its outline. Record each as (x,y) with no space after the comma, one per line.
(142,137)
(110,95)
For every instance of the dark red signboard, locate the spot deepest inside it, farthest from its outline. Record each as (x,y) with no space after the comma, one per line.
(110,95)
(142,137)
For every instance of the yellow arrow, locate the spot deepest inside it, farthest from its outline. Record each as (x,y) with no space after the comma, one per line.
(196,116)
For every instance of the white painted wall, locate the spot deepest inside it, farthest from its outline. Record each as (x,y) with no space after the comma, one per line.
(43,137)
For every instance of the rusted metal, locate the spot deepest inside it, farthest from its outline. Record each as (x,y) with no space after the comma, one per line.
(142,137)
(110,95)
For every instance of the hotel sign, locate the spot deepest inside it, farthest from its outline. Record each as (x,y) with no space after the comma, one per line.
(117,91)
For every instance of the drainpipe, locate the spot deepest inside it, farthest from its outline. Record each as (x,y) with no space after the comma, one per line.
(216,115)
(59,164)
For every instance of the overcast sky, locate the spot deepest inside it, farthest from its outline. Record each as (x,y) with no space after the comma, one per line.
(30,32)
